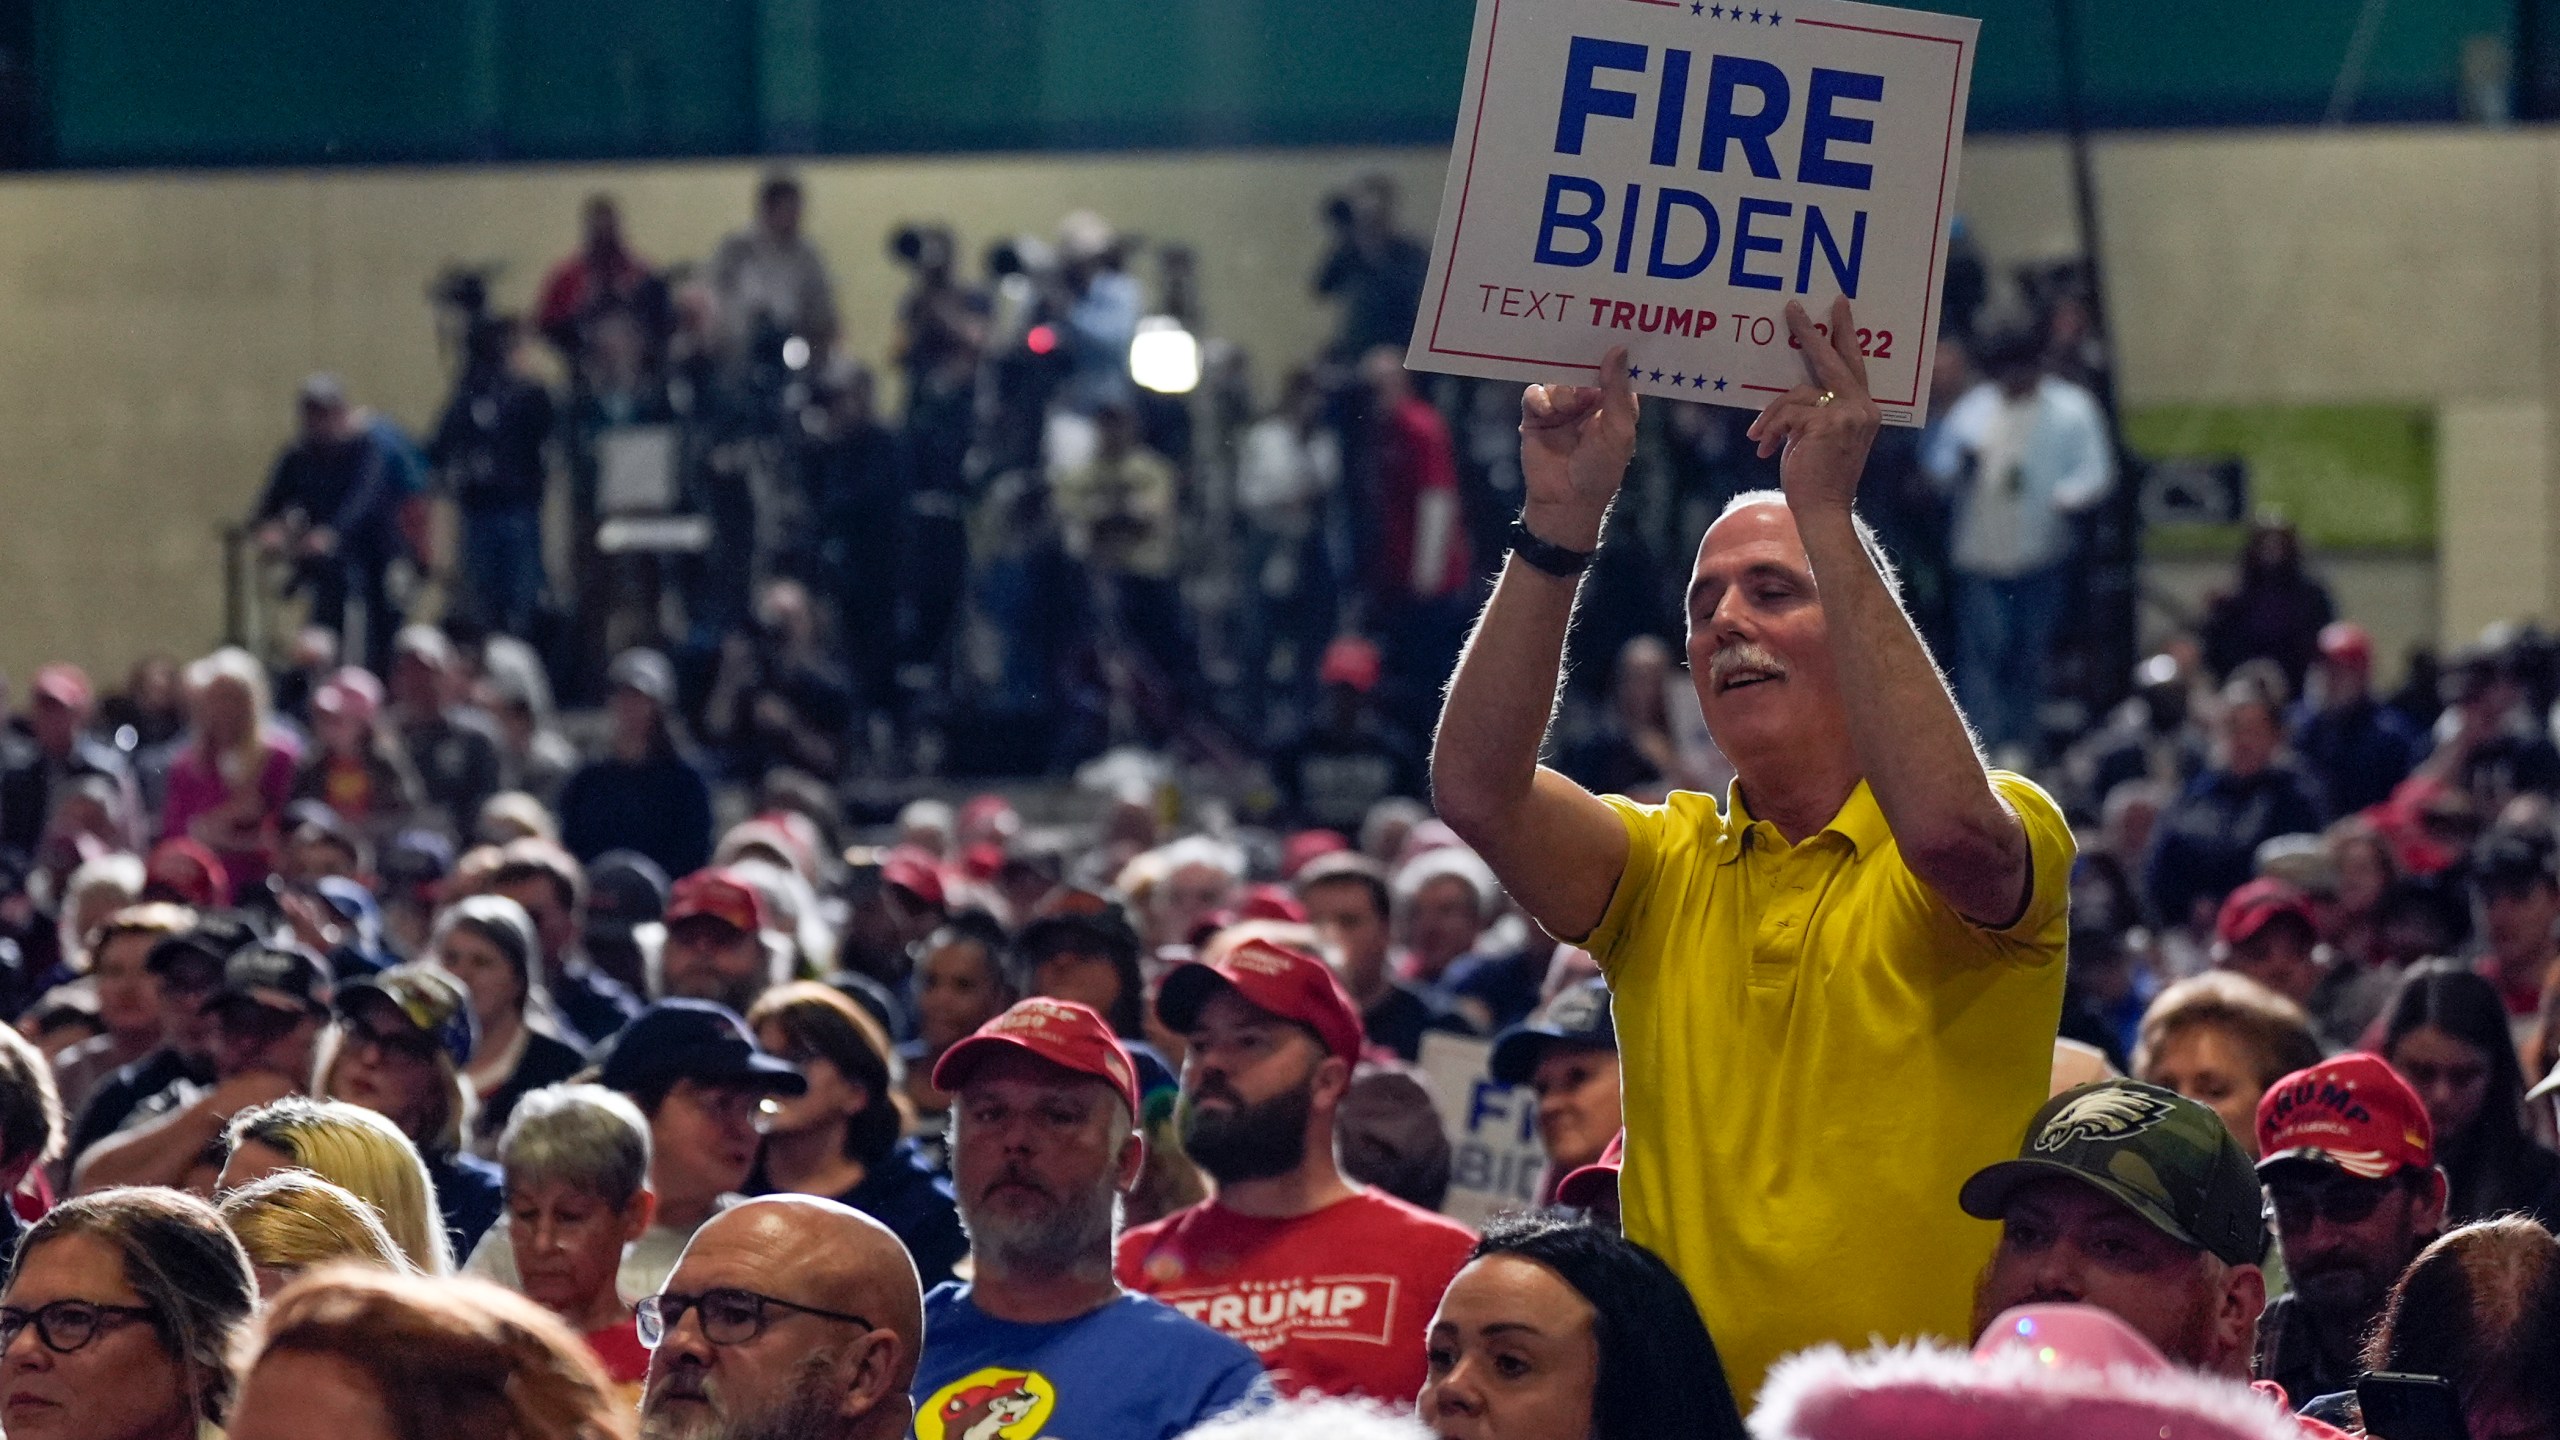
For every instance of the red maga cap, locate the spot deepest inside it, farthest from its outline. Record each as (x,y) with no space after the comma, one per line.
(720,895)
(1062,1032)
(64,685)
(2247,910)
(1291,984)
(2350,1112)
(913,870)
(1584,1187)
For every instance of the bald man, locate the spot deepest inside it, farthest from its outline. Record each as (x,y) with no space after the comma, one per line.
(788,1316)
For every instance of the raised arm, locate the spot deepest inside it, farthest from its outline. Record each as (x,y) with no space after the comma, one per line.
(1952,828)
(1556,847)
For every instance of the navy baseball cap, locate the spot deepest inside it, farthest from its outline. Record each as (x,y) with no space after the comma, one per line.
(693,1040)
(427,1000)
(1577,1017)
(273,976)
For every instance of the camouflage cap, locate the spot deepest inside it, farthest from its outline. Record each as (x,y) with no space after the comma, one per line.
(2167,1158)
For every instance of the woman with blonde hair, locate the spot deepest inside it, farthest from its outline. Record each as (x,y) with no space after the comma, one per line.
(234,775)
(294,1221)
(351,1147)
(363,1355)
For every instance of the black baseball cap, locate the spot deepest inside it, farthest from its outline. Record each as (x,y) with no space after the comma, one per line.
(1578,1017)
(202,949)
(275,977)
(693,1040)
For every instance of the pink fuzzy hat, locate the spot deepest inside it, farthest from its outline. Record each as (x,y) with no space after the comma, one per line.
(2041,1372)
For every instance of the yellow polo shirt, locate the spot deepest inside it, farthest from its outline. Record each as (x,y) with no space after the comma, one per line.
(1817,1052)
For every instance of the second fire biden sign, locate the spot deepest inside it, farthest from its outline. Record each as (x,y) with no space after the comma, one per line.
(1667,176)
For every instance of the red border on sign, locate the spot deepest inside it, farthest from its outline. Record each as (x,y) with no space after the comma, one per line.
(1475,135)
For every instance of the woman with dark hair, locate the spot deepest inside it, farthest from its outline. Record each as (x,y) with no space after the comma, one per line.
(1559,1331)
(2274,610)
(135,1296)
(844,1137)
(2480,1310)
(644,793)
(2446,1032)
(488,942)
(960,984)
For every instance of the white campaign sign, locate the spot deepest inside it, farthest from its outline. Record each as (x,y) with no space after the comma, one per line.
(1667,174)
(1495,1163)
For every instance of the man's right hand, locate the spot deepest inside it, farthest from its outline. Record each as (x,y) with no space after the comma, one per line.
(1575,445)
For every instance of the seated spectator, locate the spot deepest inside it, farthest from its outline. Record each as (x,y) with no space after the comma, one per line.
(1633,752)
(552,887)
(1273,1041)
(1349,903)
(697,1076)
(1351,756)
(805,1322)
(1391,1137)
(60,751)
(31,1131)
(1593,1189)
(2517,894)
(777,699)
(626,900)
(1044,1144)
(1557,1330)
(233,776)
(453,744)
(486,942)
(2496,747)
(364,1355)
(356,1149)
(403,1037)
(185,969)
(844,1136)
(2351,1179)
(153,704)
(129,1006)
(959,985)
(2220,1040)
(716,948)
(2266,930)
(644,793)
(2142,1203)
(293,1220)
(576,1159)
(2204,844)
(1444,900)
(516,693)
(2358,748)
(1568,1057)
(1195,878)
(2475,1311)
(1090,957)
(356,765)
(2446,1033)
(136,1297)
(270,1015)
(511,816)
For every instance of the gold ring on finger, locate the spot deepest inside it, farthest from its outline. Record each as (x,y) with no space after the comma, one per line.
(1825,398)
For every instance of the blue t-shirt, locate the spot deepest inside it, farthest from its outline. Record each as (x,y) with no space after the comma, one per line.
(1132,1370)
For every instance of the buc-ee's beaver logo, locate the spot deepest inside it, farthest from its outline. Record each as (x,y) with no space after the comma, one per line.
(989,1404)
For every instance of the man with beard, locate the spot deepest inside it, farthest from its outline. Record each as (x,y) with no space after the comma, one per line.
(715,948)
(2349,1164)
(789,1318)
(1040,1341)
(1331,1284)
(2140,1202)
(1862,942)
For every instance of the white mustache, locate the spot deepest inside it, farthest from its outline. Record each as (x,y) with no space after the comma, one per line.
(1742,655)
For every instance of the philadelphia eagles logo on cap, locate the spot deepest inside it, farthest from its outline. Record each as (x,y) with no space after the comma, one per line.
(2108,1113)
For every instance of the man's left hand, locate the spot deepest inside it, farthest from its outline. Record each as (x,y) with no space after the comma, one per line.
(1825,427)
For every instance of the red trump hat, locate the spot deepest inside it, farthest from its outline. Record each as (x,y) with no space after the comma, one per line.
(1062,1032)
(1291,984)
(720,895)
(2350,1112)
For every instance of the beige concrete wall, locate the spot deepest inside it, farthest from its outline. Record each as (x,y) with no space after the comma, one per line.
(156,324)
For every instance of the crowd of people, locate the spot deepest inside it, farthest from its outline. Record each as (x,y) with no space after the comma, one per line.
(394,1057)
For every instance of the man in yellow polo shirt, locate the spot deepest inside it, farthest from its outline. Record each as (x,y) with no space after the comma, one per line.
(1836,993)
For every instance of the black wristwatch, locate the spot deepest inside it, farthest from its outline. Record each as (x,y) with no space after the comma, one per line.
(1547,555)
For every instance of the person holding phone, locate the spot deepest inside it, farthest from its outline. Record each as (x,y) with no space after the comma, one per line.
(2470,1322)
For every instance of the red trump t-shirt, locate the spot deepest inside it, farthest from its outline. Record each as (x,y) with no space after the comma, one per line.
(1337,1302)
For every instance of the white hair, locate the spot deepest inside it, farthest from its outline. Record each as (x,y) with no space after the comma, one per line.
(1192,850)
(120,875)
(1317,1419)
(1450,861)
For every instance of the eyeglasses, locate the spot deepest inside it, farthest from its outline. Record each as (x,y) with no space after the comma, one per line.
(409,1044)
(66,1325)
(2349,1202)
(729,1317)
